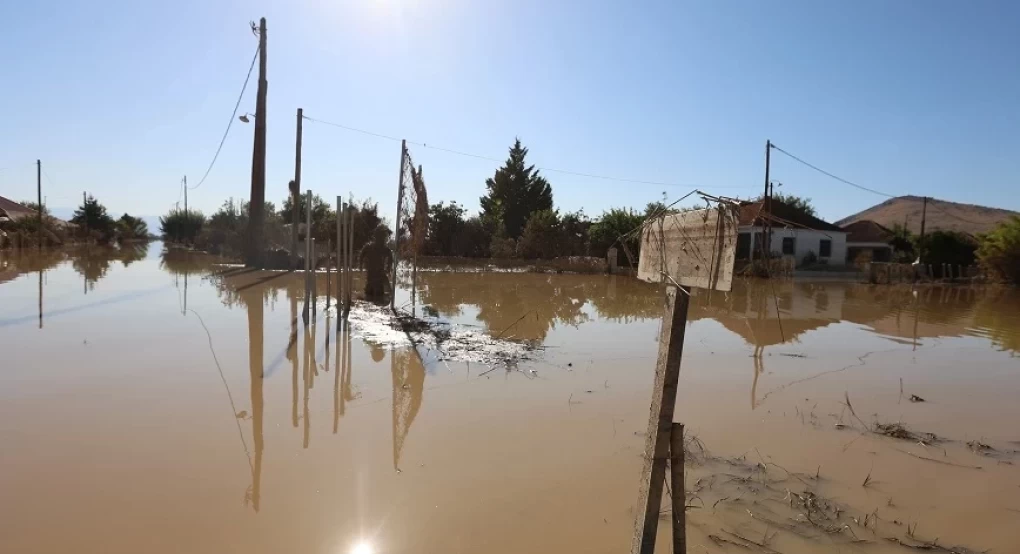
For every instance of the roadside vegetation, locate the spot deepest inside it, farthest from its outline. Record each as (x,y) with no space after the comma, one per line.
(90,223)
(999,251)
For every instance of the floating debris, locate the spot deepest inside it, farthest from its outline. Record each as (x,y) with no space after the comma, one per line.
(899,431)
(443,340)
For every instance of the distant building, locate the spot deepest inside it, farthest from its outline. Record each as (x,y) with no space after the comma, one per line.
(867,241)
(794,234)
(12,211)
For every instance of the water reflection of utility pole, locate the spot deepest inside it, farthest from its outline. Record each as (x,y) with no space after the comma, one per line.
(342,391)
(40,297)
(255,368)
(759,368)
(917,307)
(337,370)
(292,352)
(309,354)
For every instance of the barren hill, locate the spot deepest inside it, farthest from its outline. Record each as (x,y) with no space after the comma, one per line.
(942,214)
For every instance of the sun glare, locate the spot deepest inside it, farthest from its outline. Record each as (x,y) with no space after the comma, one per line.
(362,548)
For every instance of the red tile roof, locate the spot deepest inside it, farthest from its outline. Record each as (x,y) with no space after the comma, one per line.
(782,215)
(866,230)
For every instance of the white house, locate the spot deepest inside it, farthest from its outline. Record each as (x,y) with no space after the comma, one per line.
(794,234)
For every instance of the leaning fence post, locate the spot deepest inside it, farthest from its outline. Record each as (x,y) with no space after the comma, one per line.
(657,438)
(676,476)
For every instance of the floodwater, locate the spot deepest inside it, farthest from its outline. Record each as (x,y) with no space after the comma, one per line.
(150,404)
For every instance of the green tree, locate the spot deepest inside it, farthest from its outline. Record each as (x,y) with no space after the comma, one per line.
(446,224)
(798,203)
(543,237)
(574,227)
(475,239)
(902,242)
(515,192)
(132,228)
(615,224)
(947,247)
(999,250)
(323,216)
(92,216)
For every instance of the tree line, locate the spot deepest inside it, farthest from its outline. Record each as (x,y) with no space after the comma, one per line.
(518,219)
(90,222)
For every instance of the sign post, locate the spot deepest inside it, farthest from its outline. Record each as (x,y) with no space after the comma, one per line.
(694,249)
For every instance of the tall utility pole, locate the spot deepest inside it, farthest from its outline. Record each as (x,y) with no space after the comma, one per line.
(924,214)
(185,194)
(767,202)
(257,206)
(38,192)
(295,193)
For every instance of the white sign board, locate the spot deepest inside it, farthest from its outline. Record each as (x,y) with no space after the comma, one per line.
(692,249)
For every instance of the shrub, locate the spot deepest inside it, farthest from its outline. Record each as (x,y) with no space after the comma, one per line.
(999,250)
(181,226)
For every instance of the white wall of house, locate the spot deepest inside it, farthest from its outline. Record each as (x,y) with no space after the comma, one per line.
(805,241)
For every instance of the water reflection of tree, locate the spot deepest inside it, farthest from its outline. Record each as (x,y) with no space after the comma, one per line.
(18,262)
(997,314)
(180,262)
(94,263)
(531,303)
(625,299)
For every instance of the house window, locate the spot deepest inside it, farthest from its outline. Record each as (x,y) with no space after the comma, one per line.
(825,248)
(788,246)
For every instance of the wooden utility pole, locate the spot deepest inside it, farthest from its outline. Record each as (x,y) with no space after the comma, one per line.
(257,206)
(185,195)
(660,422)
(396,226)
(924,215)
(767,202)
(295,192)
(38,192)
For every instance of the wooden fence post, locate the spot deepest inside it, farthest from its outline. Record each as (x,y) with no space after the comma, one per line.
(660,419)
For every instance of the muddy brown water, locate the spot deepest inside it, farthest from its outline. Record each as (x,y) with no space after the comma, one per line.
(150,405)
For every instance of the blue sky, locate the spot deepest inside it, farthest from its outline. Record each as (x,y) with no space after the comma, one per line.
(123,98)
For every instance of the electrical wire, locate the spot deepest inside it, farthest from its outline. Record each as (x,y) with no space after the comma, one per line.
(497,160)
(836,177)
(231,122)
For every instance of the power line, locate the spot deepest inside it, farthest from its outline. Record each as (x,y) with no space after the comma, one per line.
(836,177)
(498,160)
(231,122)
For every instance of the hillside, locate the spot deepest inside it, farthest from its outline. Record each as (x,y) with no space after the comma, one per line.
(942,214)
